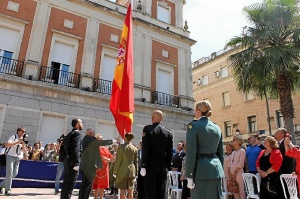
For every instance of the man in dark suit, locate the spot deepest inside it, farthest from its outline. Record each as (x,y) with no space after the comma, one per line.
(157,143)
(140,179)
(71,162)
(177,161)
(90,161)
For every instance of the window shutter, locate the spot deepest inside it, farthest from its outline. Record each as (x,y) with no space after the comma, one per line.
(62,53)
(8,39)
(163,14)
(108,68)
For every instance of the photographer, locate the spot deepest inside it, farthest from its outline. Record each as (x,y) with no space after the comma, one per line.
(60,166)
(15,147)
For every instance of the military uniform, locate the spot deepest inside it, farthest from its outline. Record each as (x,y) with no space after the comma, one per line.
(126,166)
(204,158)
(157,145)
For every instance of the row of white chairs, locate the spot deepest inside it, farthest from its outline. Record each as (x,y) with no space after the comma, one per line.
(288,179)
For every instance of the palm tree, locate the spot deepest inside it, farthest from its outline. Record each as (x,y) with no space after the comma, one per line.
(267,61)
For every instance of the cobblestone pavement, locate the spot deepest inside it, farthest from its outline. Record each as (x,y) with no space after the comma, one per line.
(41,193)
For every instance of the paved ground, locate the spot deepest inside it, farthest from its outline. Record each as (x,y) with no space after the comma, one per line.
(40,193)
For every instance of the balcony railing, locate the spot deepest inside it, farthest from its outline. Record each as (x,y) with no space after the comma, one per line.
(11,66)
(102,86)
(60,77)
(165,99)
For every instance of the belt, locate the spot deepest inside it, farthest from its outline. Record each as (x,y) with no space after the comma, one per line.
(206,155)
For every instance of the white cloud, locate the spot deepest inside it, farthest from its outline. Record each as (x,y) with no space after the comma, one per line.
(213,22)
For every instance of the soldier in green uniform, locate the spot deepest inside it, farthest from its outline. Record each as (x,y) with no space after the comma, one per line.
(204,155)
(126,167)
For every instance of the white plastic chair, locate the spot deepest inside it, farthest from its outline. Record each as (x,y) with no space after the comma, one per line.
(248,181)
(291,182)
(226,193)
(173,184)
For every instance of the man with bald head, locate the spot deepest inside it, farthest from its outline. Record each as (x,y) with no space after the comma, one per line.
(157,144)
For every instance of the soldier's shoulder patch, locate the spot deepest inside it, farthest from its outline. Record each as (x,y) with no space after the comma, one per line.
(190,126)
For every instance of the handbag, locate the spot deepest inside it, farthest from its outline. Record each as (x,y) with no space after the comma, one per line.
(2,160)
(233,186)
(270,188)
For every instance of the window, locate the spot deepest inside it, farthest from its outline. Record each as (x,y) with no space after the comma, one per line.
(163,87)
(51,128)
(226,99)
(250,95)
(5,61)
(280,120)
(224,72)
(228,130)
(163,14)
(204,80)
(107,74)
(252,124)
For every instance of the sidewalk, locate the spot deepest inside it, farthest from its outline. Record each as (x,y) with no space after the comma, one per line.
(41,193)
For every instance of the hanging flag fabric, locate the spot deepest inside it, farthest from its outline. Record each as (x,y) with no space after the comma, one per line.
(122,98)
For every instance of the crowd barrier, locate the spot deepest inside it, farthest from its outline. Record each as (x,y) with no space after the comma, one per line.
(36,174)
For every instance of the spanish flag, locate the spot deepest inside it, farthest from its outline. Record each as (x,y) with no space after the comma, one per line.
(122,98)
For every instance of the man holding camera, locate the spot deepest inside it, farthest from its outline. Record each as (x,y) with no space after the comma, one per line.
(15,147)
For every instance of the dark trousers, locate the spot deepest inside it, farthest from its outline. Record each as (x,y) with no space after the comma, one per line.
(69,180)
(185,190)
(140,187)
(155,185)
(254,182)
(85,187)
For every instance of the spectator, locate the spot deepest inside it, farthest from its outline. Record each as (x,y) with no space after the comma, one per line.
(186,194)
(252,154)
(41,145)
(236,165)
(37,153)
(126,167)
(177,160)
(268,165)
(293,152)
(15,149)
(257,138)
(47,153)
(229,150)
(60,166)
(101,180)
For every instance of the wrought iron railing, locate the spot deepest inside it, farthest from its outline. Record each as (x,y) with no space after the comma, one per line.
(102,86)
(60,77)
(165,99)
(11,66)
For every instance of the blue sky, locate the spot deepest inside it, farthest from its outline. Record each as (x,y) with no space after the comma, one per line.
(213,22)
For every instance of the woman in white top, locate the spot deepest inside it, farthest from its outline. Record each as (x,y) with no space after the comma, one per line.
(236,165)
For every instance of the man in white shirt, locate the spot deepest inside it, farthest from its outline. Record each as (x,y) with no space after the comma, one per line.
(15,148)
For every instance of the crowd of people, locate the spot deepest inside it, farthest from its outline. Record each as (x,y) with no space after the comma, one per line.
(200,161)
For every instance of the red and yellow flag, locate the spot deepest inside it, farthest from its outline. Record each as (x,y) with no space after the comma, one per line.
(122,98)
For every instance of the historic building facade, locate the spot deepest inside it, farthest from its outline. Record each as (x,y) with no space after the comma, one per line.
(232,110)
(57,60)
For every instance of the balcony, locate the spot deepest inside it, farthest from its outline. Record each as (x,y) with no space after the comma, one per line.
(165,99)
(102,86)
(60,77)
(11,66)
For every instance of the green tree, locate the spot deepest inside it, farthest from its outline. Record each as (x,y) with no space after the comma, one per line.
(267,61)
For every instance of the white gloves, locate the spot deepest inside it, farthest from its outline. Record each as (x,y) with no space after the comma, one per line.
(76,168)
(143,171)
(190,184)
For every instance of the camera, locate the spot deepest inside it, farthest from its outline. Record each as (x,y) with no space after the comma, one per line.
(25,136)
(61,138)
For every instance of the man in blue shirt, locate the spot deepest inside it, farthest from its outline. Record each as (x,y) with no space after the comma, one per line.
(252,153)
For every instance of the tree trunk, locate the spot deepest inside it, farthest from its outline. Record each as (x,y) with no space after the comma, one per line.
(286,103)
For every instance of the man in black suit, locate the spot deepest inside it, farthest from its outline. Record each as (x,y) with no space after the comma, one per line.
(140,179)
(177,161)
(71,162)
(157,143)
(288,163)
(90,161)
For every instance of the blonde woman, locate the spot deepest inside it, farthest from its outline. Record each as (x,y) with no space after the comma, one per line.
(236,165)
